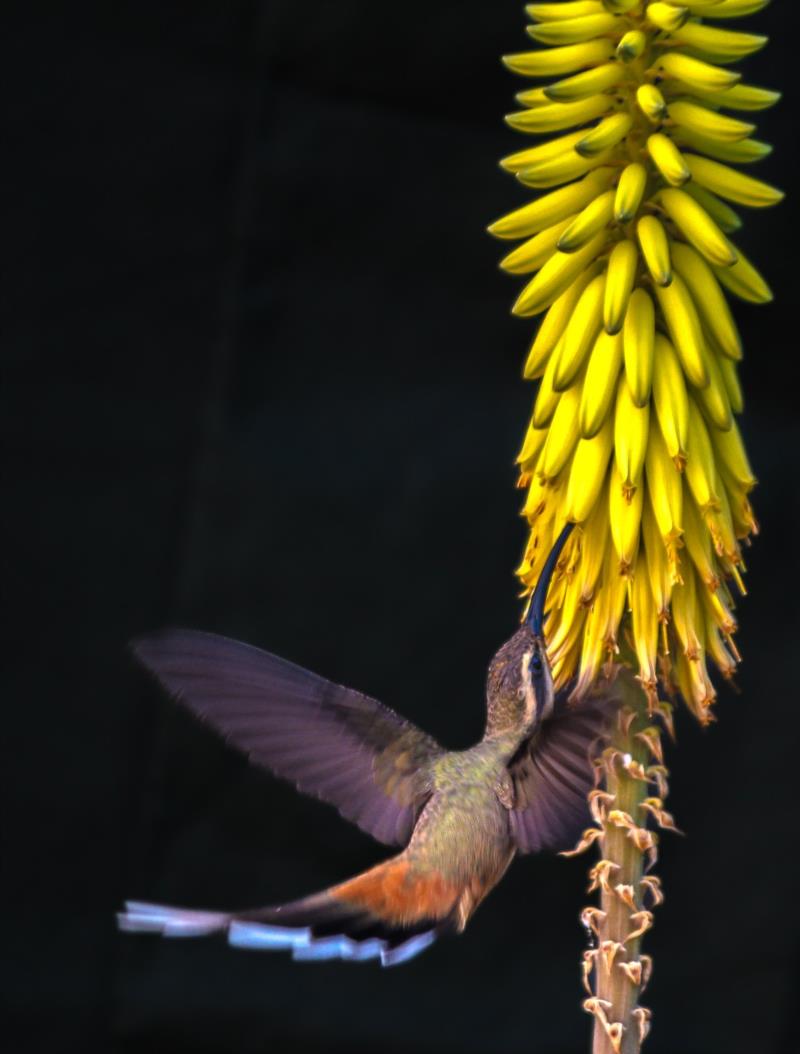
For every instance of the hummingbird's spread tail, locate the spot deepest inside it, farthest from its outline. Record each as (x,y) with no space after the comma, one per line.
(388,913)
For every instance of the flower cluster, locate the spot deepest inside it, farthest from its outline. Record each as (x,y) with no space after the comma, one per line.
(628,258)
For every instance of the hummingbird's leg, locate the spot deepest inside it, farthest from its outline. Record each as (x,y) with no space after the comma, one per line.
(504,789)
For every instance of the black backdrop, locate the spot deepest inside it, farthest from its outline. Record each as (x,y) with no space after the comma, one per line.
(261,378)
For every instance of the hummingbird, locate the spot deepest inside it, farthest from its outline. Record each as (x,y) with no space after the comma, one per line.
(459,816)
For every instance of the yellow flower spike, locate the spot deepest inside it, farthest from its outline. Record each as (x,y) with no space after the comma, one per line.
(622,264)
(639,333)
(627,260)
(600,385)
(655,249)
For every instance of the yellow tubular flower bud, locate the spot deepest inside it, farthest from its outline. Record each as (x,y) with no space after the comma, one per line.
(564,9)
(619,282)
(723,215)
(625,255)
(600,385)
(651,103)
(639,345)
(631,45)
(593,218)
(685,330)
(668,159)
(697,227)
(666,16)
(610,131)
(630,191)
(631,431)
(587,475)
(671,400)
(580,333)
(655,249)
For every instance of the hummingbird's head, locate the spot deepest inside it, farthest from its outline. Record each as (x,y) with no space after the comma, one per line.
(519,687)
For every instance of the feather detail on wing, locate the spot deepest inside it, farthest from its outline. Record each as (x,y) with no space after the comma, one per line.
(331,742)
(552,773)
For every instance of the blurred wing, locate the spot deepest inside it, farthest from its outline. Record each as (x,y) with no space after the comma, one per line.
(552,775)
(331,742)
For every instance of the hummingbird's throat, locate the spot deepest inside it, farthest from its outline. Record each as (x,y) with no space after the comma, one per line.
(527,691)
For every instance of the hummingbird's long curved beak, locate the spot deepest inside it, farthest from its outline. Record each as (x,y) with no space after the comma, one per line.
(536,609)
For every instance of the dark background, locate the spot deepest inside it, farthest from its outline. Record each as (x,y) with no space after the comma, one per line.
(261,378)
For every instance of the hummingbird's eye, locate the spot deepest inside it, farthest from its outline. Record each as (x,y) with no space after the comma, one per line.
(536,665)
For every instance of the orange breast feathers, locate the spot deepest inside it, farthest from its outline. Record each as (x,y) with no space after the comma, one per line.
(399,895)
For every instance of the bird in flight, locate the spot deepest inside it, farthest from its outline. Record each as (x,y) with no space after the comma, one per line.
(459,816)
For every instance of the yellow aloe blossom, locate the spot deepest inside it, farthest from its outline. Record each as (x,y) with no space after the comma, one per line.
(628,259)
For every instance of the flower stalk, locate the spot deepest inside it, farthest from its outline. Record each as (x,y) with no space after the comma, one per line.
(615,971)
